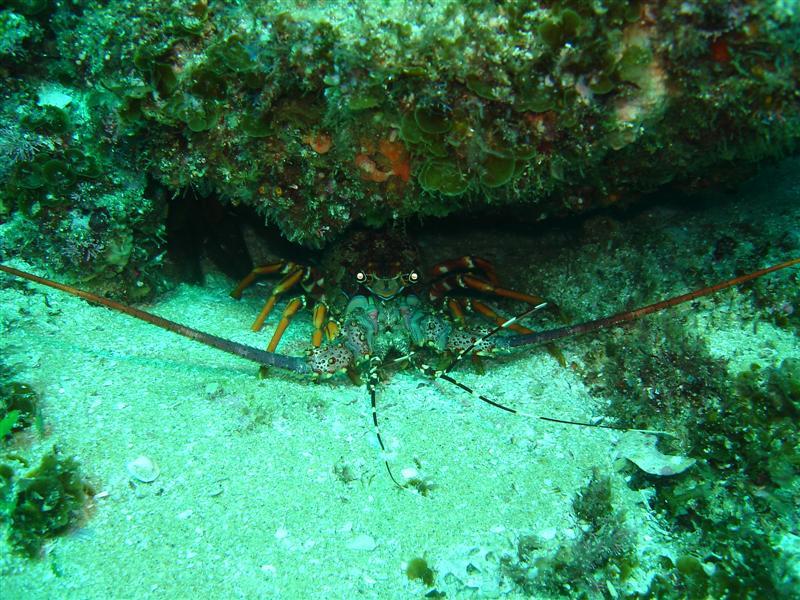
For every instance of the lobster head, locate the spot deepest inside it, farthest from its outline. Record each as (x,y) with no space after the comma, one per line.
(383,263)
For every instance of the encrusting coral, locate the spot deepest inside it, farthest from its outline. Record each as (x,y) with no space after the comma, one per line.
(318,117)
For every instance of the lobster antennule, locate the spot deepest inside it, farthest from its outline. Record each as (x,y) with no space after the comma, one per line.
(637,313)
(290,363)
(443,375)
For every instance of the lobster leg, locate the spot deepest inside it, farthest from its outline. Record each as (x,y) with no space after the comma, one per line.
(320,323)
(474,264)
(466,282)
(284,285)
(474,283)
(487,312)
(332,329)
(456,307)
(283,267)
(290,311)
(472,273)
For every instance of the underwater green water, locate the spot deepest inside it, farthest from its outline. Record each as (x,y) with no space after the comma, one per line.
(423,172)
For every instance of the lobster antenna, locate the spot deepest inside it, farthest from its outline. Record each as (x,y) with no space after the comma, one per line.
(501,326)
(562,332)
(443,374)
(372,385)
(262,357)
(637,313)
(513,411)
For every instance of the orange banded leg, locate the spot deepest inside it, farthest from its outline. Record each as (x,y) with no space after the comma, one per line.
(456,307)
(283,267)
(291,309)
(284,285)
(319,320)
(474,283)
(332,329)
(466,263)
(487,312)
(323,326)
(470,282)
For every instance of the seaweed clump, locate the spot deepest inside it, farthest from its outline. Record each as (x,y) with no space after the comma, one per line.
(418,569)
(735,511)
(603,553)
(36,502)
(47,500)
(658,376)
(19,408)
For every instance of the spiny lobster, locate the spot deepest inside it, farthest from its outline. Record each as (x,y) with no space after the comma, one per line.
(369,291)
(365,317)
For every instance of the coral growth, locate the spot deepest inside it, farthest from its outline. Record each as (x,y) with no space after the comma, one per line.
(350,112)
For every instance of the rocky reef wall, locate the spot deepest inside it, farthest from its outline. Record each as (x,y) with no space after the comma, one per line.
(323,114)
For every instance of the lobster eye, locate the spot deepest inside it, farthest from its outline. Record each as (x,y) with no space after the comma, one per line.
(413,277)
(361,276)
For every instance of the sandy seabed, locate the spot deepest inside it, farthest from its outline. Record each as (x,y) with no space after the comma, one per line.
(248,502)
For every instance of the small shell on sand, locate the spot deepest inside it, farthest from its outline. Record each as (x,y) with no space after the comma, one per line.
(144,469)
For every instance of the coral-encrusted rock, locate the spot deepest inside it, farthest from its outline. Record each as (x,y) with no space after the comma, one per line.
(373,111)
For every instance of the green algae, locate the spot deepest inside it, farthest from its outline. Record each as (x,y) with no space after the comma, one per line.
(200,116)
(57,174)
(49,120)
(536,101)
(559,30)
(364,101)
(418,569)
(481,87)
(409,130)
(497,170)
(19,408)
(602,85)
(432,121)
(443,177)
(28,175)
(634,63)
(7,423)
(42,502)
(231,54)
(83,165)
